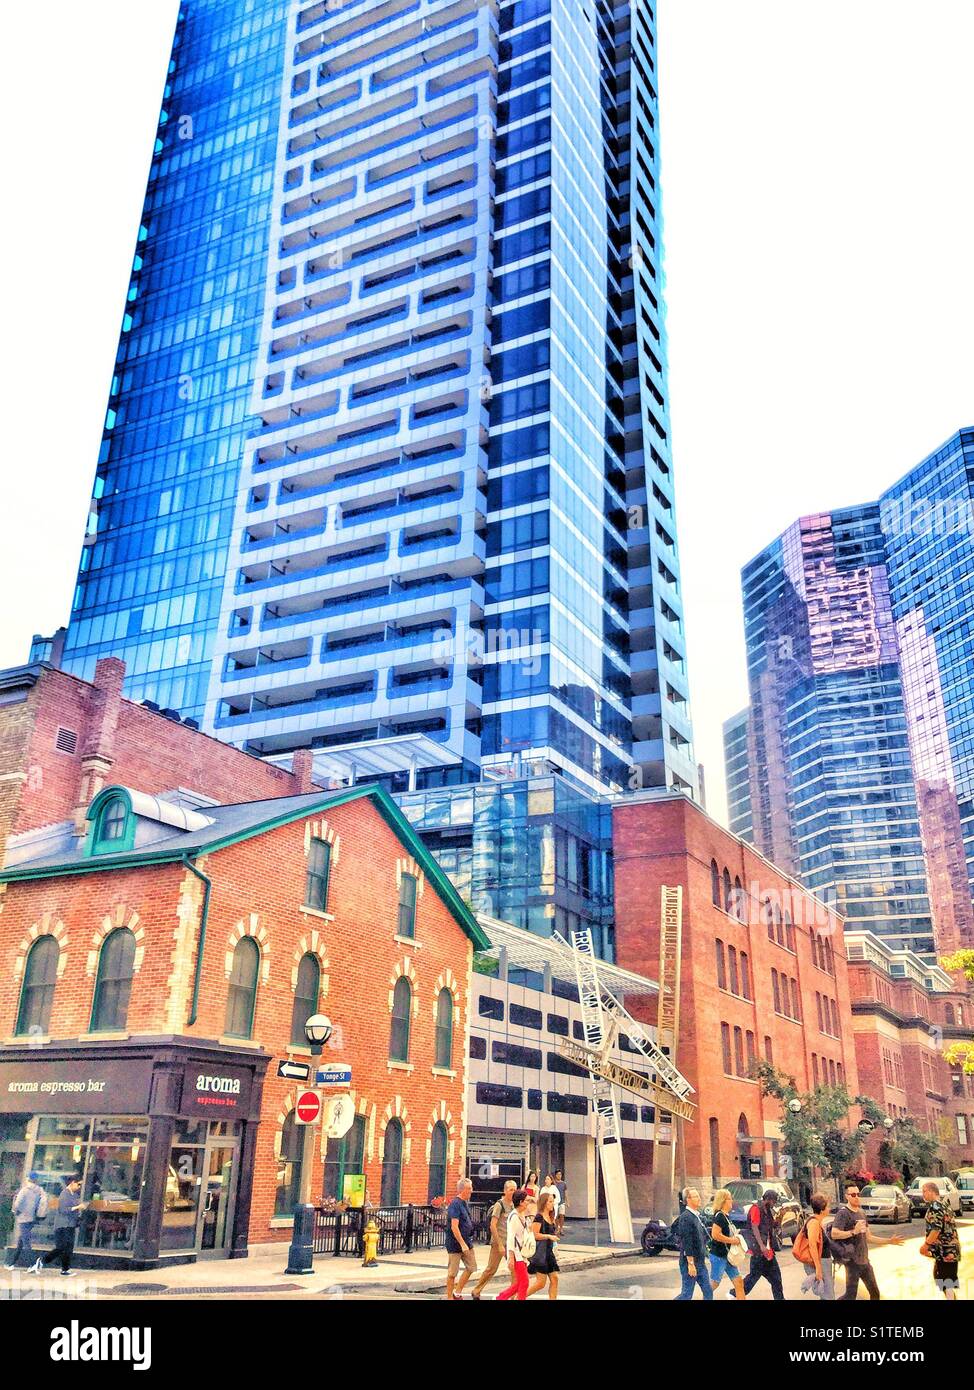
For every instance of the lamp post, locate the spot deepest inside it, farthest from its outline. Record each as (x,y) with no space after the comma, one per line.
(301,1254)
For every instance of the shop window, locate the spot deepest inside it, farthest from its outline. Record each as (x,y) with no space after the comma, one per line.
(402,998)
(289,1167)
(242,993)
(444,1029)
(344,1157)
(37,991)
(319,872)
(113,985)
(392,1164)
(306,993)
(438,1148)
(113,829)
(407,906)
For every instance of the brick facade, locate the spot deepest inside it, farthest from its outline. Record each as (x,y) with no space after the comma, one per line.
(258,890)
(905,1014)
(671,841)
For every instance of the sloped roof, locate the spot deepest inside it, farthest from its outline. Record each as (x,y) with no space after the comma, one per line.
(230,824)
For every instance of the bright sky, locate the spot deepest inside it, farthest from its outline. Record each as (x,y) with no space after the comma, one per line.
(818,200)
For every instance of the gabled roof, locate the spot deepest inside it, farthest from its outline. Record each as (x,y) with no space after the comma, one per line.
(229,825)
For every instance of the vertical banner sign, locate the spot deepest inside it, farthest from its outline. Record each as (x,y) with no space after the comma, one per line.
(667,1032)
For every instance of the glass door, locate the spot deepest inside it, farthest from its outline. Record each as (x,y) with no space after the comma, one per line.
(217,1197)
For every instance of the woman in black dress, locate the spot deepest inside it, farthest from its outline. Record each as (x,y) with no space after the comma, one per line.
(543,1265)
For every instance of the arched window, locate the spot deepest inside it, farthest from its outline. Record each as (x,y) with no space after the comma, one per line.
(739,1051)
(305,997)
(778,928)
(721,965)
(113,827)
(726,879)
(444,1030)
(242,993)
(948,1013)
(113,985)
(745,976)
(789,931)
(289,1167)
(407,906)
(714,883)
(769,918)
(438,1143)
(714,1126)
(402,999)
(739,906)
(342,1157)
(392,1164)
(37,991)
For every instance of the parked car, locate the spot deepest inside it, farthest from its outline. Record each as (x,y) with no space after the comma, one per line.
(882,1202)
(946,1188)
(787,1209)
(965,1190)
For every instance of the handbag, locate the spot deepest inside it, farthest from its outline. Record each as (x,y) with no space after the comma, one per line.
(736,1253)
(528,1244)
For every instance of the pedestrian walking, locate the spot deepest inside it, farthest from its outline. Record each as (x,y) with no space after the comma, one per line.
(851,1237)
(69,1209)
(498,1217)
(692,1239)
(532,1183)
(723,1240)
(812,1247)
(543,1264)
(941,1242)
(459,1241)
(763,1242)
(562,1187)
(551,1188)
(29,1207)
(520,1246)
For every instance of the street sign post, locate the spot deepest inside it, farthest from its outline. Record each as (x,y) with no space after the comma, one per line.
(337,1119)
(293,1071)
(307,1108)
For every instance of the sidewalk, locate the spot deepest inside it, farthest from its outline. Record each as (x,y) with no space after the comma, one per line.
(263,1273)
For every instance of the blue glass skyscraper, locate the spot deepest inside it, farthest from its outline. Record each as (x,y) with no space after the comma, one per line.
(388,450)
(832,793)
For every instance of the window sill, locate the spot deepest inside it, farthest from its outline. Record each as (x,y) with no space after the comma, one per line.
(744,998)
(36,1038)
(401,1066)
(297,1050)
(407,941)
(108,1035)
(444,1071)
(316,912)
(242,1044)
(281,1223)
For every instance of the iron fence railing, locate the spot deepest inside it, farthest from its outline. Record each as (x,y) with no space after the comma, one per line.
(401,1229)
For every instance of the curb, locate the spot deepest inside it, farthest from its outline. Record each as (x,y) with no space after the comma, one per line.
(577,1262)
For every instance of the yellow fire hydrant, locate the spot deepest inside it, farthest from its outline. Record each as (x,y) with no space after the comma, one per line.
(370,1237)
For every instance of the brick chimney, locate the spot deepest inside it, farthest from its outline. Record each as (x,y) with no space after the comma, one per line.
(302,767)
(98,739)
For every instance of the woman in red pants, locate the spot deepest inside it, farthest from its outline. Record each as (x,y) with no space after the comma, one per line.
(520,1245)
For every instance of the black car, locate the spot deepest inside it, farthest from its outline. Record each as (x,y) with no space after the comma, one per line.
(787,1209)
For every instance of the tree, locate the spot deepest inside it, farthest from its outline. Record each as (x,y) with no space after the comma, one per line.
(813,1135)
(912,1149)
(960,1054)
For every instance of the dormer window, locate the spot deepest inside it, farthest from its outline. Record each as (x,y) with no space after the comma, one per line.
(112,823)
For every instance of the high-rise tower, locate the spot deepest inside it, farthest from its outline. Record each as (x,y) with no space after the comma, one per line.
(387,462)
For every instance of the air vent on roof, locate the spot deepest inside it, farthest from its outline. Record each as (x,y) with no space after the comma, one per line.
(66,741)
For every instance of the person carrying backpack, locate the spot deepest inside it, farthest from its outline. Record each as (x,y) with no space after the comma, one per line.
(29,1207)
(498,1217)
(763,1242)
(812,1248)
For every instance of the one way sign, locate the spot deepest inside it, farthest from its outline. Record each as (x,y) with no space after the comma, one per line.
(294,1071)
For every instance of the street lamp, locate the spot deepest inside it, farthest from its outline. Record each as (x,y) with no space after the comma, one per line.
(889,1124)
(795,1105)
(300,1258)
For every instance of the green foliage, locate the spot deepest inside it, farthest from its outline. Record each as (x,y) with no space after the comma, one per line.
(818,1135)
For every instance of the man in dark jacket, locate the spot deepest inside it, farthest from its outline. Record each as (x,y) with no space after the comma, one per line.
(763,1241)
(69,1209)
(692,1239)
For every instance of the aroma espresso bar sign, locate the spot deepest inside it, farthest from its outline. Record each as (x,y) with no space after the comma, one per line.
(215,1091)
(75,1087)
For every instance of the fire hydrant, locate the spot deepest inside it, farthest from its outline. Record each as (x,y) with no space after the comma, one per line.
(370,1237)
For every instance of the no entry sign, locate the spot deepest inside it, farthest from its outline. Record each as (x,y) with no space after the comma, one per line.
(307,1108)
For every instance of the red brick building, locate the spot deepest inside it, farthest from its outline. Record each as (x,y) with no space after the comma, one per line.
(154,969)
(763,977)
(905,1014)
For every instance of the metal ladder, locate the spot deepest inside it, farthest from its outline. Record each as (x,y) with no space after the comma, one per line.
(590,996)
(666,1071)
